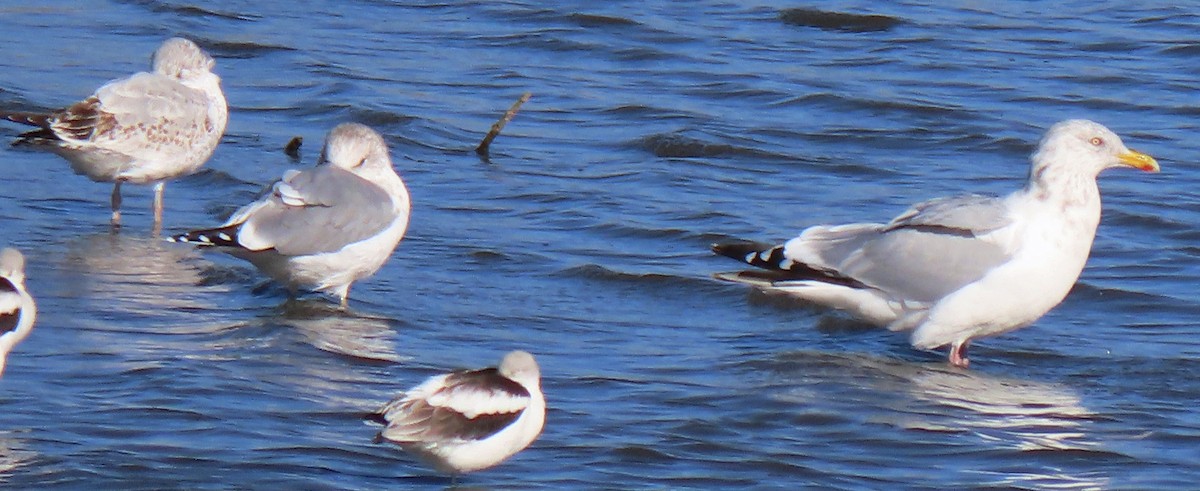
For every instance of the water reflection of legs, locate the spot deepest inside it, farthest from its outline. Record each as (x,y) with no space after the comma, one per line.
(132,274)
(928,410)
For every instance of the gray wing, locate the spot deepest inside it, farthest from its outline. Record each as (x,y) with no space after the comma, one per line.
(967,215)
(314,211)
(929,251)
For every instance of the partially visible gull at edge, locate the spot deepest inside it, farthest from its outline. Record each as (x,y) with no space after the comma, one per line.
(17,309)
(955,269)
(469,420)
(326,227)
(147,128)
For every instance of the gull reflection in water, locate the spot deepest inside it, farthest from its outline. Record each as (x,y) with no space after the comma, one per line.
(369,343)
(932,404)
(13,456)
(1026,415)
(328,328)
(135,275)
(163,294)
(1029,415)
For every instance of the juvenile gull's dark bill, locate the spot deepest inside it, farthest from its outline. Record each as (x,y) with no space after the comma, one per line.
(17,309)
(469,420)
(326,227)
(959,268)
(147,128)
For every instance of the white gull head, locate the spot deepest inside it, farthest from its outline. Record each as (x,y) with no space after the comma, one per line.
(361,150)
(181,59)
(1081,149)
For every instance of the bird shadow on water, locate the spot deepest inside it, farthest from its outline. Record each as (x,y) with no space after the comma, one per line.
(449,483)
(828,321)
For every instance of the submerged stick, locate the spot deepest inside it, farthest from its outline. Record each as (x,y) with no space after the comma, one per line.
(293,147)
(482,149)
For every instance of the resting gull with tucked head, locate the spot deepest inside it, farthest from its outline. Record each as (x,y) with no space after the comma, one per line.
(955,269)
(146,128)
(17,310)
(326,227)
(469,420)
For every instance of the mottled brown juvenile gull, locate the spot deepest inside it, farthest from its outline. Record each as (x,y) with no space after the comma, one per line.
(147,128)
(959,268)
(17,310)
(469,420)
(326,227)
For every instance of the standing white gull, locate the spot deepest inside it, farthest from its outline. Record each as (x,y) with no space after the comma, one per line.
(17,310)
(326,227)
(469,420)
(147,128)
(959,268)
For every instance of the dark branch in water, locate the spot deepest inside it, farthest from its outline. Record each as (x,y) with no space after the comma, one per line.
(482,149)
(293,147)
(838,21)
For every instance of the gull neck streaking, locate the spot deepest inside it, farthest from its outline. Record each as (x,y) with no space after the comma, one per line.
(146,128)
(955,269)
(326,227)
(469,420)
(17,308)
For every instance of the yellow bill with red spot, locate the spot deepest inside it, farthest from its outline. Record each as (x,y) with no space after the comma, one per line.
(1139,160)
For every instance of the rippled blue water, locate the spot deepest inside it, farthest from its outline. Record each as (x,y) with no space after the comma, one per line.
(655,129)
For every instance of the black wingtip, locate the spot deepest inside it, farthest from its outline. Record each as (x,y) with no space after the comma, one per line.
(753,253)
(773,259)
(224,236)
(374,417)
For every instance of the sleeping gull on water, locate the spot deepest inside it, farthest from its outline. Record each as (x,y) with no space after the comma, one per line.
(17,310)
(469,420)
(147,128)
(326,227)
(958,268)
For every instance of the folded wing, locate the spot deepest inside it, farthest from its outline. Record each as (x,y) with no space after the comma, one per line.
(314,211)
(952,233)
(467,405)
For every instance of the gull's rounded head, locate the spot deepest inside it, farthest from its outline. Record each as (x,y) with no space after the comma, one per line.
(520,366)
(1086,147)
(12,265)
(356,148)
(181,59)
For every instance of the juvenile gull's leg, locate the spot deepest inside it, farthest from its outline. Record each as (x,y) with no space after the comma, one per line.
(343,294)
(158,202)
(116,204)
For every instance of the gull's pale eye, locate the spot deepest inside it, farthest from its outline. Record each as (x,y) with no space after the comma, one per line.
(1097,141)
